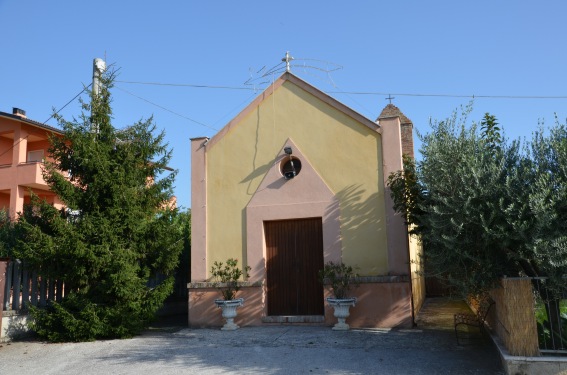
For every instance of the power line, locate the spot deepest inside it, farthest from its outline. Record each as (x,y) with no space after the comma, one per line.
(186,85)
(235,107)
(166,109)
(277,69)
(69,102)
(327,63)
(451,95)
(45,122)
(330,67)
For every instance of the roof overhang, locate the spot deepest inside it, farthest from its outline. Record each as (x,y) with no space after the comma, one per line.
(31,122)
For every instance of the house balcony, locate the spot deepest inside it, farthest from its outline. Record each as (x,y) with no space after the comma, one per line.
(23,174)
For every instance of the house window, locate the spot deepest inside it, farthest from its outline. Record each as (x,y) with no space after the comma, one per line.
(35,156)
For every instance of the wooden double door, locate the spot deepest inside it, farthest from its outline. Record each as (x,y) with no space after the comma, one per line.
(294,250)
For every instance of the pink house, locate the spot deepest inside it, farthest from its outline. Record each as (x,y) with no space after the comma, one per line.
(23,147)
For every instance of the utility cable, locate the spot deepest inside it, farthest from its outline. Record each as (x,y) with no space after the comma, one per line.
(235,108)
(45,122)
(69,102)
(186,85)
(452,95)
(277,69)
(166,109)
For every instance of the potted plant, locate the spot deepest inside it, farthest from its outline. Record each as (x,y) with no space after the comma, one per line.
(226,276)
(341,278)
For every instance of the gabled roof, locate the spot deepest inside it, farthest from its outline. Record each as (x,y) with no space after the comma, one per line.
(31,122)
(287,76)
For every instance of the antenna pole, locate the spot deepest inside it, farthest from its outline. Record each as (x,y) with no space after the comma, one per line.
(99,66)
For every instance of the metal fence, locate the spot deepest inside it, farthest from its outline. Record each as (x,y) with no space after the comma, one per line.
(551,315)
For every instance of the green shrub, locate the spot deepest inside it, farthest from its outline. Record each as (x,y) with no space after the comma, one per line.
(226,276)
(341,277)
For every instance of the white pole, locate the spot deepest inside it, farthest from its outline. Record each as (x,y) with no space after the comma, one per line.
(99,66)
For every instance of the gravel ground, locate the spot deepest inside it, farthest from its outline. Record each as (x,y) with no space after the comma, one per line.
(258,350)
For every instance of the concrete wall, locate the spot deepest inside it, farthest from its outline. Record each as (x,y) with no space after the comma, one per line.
(237,185)
(204,313)
(5,145)
(382,302)
(344,153)
(14,326)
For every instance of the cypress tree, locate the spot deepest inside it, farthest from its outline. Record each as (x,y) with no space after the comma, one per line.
(117,232)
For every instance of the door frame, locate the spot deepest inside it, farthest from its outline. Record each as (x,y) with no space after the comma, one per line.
(256,245)
(255,241)
(302,294)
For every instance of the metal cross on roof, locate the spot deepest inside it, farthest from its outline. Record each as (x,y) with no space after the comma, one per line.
(287,60)
(390,97)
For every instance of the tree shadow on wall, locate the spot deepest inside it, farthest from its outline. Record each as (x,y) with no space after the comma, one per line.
(361,215)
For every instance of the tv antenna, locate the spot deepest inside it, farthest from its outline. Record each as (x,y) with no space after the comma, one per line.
(308,66)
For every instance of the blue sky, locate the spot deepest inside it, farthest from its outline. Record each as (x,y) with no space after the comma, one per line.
(416,48)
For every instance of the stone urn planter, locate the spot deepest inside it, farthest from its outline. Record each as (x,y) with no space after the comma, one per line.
(342,311)
(341,278)
(229,312)
(226,276)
